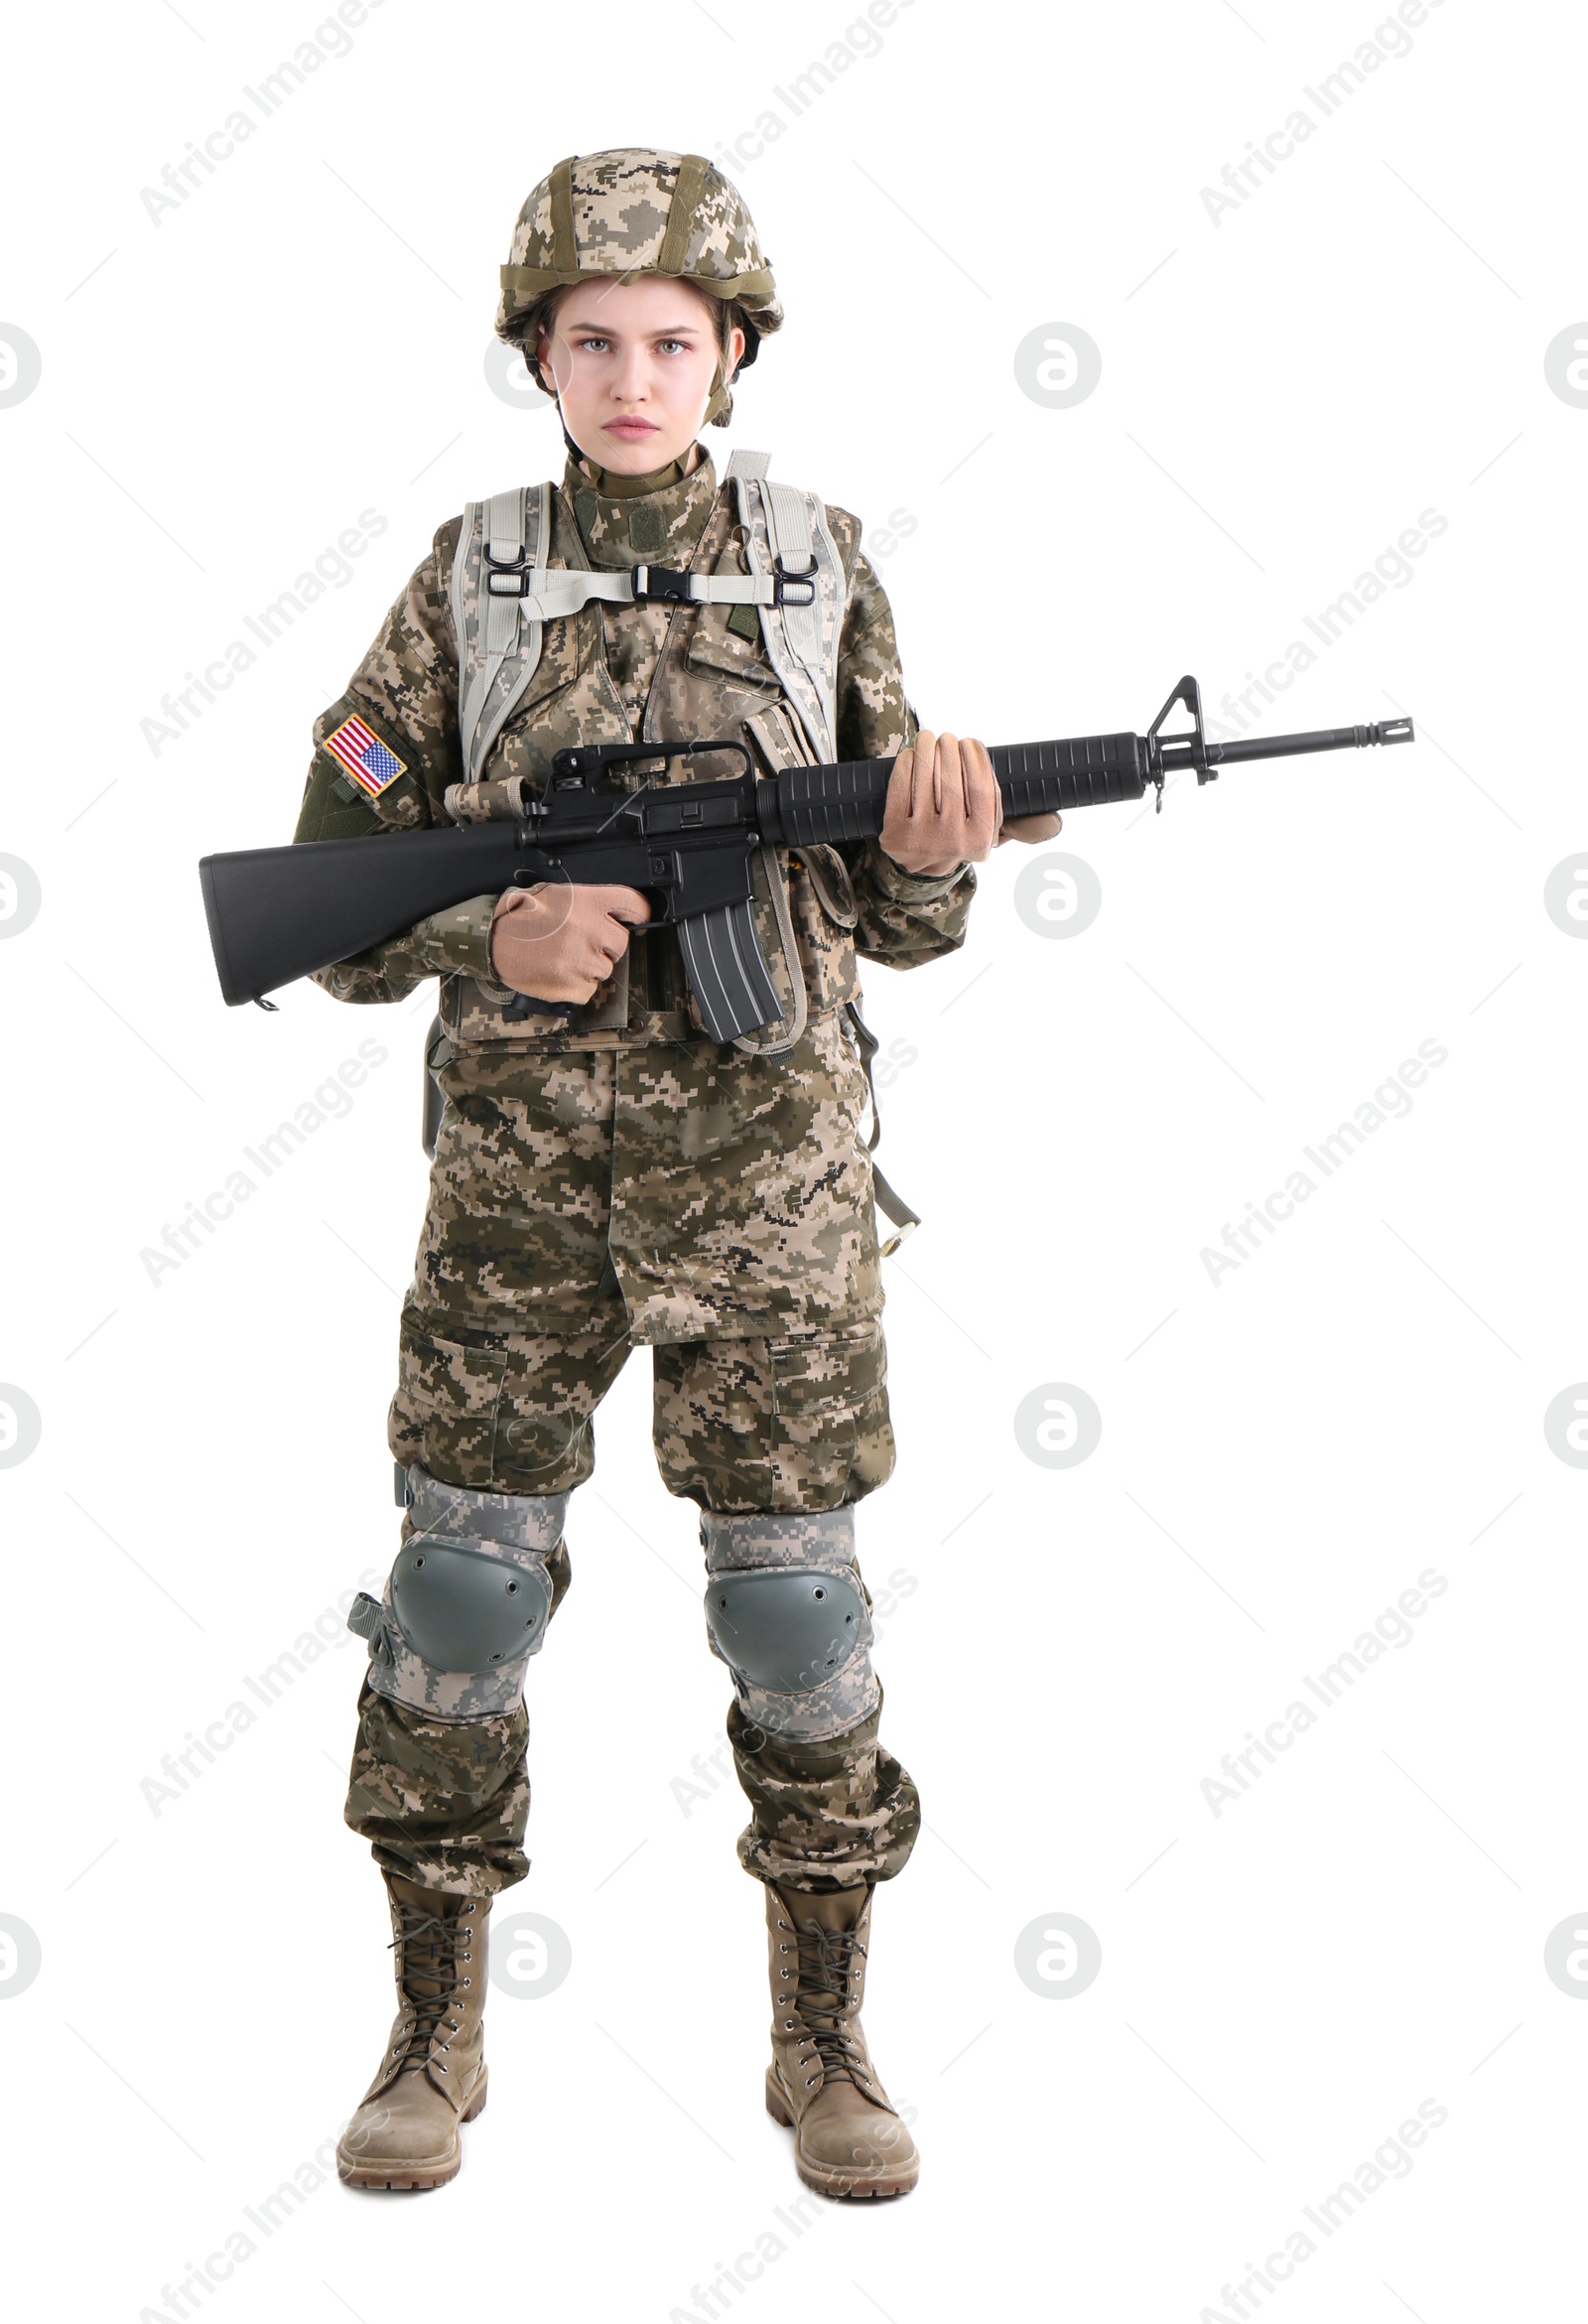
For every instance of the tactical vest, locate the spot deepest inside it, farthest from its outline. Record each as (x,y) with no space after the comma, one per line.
(751,653)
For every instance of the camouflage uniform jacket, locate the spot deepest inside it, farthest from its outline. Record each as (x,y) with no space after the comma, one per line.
(737,1167)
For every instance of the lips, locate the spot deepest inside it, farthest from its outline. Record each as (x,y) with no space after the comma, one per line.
(630,428)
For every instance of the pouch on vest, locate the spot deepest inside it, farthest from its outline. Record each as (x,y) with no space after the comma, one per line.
(820,895)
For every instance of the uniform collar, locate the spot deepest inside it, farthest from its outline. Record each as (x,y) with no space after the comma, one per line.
(661,526)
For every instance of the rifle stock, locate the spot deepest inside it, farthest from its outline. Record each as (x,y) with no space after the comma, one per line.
(280,912)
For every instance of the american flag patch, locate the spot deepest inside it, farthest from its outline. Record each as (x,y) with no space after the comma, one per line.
(372,766)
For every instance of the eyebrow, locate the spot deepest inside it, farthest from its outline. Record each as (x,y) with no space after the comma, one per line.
(658,330)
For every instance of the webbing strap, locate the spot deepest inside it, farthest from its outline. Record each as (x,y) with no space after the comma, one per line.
(692,171)
(896,1207)
(565,251)
(565,592)
(892,1207)
(569,591)
(789,537)
(504,545)
(764,1537)
(514,535)
(788,526)
(502,532)
(785,528)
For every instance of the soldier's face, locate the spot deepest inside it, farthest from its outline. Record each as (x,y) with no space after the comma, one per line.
(634,364)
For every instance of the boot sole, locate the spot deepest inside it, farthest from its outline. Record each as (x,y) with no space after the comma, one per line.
(841,2186)
(416,2177)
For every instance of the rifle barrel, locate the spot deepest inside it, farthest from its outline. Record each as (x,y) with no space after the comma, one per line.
(1390,730)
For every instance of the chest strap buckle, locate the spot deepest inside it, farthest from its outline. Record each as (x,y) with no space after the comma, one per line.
(663,584)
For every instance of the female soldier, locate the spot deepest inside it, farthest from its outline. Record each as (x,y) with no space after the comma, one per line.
(606,1175)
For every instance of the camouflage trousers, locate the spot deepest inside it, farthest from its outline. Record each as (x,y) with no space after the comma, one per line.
(788,1425)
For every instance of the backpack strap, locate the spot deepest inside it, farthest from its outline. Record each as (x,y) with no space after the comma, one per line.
(503,595)
(499,645)
(787,541)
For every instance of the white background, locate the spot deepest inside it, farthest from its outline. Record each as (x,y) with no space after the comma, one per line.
(1282,393)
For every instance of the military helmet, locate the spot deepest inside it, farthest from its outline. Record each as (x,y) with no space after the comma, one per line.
(635,211)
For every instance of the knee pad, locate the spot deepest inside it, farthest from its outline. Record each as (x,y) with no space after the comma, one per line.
(787,1612)
(467,1600)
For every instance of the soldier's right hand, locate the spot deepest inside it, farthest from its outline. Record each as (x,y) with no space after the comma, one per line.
(558,941)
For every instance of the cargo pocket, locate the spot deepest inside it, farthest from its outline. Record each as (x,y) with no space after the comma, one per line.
(822,907)
(511,1420)
(540,1451)
(831,1438)
(493,1020)
(443,1415)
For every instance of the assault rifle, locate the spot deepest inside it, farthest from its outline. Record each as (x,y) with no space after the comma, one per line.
(280,912)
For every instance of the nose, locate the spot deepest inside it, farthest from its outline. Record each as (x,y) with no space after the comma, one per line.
(630,380)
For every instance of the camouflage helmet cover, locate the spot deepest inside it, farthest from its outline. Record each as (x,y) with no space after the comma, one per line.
(633,211)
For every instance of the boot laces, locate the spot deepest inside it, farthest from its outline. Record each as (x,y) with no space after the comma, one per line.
(428,1947)
(826,1970)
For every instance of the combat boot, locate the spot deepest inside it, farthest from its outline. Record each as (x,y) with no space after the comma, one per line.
(848,2140)
(433,2076)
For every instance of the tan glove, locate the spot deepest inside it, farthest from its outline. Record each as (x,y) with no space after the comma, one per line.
(944,808)
(558,942)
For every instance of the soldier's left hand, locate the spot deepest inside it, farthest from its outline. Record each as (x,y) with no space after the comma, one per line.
(944,807)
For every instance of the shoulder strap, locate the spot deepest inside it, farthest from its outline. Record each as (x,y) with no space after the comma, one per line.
(502,595)
(786,540)
(498,636)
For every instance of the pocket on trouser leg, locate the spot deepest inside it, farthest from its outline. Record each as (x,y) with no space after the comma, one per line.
(516,1417)
(832,1441)
(444,1413)
(440,1802)
(825,1814)
(777,1425)
(711,1422)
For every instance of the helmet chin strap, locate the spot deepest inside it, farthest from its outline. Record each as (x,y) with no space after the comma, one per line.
(718,399)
